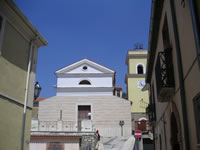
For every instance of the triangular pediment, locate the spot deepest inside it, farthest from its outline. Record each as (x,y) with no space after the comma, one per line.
(84,66)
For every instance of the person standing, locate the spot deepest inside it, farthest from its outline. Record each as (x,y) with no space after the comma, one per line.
(98,135)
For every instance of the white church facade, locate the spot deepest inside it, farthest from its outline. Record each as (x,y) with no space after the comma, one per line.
(85,77)
(84,103)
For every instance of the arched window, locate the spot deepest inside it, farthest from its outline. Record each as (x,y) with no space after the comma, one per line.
(140,69)
(84,82)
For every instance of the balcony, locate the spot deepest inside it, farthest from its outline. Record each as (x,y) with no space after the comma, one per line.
(65,126)
(165,76)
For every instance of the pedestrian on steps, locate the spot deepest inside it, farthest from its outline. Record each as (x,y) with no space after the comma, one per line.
(98,135)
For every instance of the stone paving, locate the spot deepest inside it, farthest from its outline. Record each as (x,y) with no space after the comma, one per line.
(117,143)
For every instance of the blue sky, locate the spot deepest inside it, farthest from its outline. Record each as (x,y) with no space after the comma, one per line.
(100,30)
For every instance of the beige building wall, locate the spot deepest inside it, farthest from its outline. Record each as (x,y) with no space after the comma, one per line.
(106,112)
(37,146)
(72,146)
(11,125)
(43,146)
(191,75)
(13,64)
(138,98)
(15,36)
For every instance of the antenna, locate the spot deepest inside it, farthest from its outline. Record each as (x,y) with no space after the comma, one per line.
(138,46)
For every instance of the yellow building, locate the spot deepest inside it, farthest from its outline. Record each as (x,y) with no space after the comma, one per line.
(19,43)
(135,81)
(173,73)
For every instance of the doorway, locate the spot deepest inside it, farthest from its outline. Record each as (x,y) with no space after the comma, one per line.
(84,113)
(174,133)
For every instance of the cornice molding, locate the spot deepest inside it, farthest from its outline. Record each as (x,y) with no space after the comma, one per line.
(85,88)
(13,100)
(137,55)
(84,75)
(88,62)
(21,23)
(136,75)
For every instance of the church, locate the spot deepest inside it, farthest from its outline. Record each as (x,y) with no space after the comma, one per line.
(84,103)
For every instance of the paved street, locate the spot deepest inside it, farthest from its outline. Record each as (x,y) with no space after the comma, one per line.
(118,143)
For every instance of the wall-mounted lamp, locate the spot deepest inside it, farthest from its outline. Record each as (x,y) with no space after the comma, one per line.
(37,90)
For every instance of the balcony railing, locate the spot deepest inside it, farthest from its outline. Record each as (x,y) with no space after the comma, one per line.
(164,75)
(67,126)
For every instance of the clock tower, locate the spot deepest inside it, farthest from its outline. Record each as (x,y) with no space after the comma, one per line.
(135,81)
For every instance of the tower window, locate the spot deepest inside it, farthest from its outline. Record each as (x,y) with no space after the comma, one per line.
(140,69)
(84,82)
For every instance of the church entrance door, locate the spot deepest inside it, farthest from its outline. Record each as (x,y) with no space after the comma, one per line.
(84,113)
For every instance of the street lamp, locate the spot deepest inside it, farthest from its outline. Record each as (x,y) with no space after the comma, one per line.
(121,123)
(37,90)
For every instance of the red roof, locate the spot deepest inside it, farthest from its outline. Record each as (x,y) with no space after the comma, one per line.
(40,99)
(118,88)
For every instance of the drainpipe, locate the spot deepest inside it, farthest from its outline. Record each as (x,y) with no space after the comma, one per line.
(164,125)
(26,93)
(181,79)
(154,144)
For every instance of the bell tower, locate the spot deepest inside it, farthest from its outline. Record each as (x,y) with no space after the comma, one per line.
(135,82)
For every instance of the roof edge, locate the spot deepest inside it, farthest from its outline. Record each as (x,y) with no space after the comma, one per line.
(82,60)
(156,12)
(26,21)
